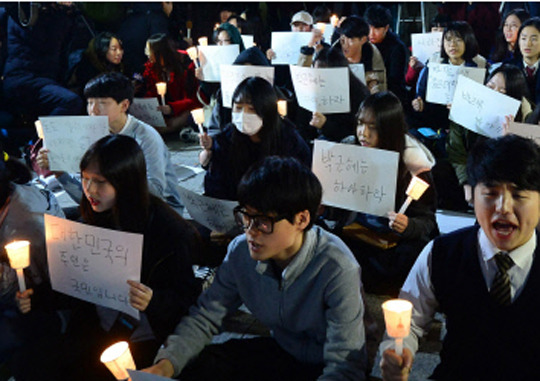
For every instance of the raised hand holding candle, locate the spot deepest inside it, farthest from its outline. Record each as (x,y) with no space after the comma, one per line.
(203,41)
(117,358)
(193,53)
(282,108)
(321,26)
(162,90)
(334,20)
(19,257)
(198,117)
(414,191)
(397,317)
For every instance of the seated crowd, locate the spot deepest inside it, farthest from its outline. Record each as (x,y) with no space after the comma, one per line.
(301,268)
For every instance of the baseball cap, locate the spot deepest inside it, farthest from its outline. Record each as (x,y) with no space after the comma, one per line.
(302,17)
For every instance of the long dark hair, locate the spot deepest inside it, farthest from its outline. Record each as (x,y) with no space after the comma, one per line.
(261,94)
(464,31)
(167,58)
(97,52)
(535,23)
(121,162)
(501,46)
(389,116)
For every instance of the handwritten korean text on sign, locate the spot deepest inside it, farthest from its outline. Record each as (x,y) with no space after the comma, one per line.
(481,109)
(323,90)
(442,80)
(68,137)
(356,178)
(92,263)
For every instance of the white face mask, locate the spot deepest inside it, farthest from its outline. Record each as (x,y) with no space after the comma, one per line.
(248,124)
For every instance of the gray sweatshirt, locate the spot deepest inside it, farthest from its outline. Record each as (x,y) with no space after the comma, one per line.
(315,311)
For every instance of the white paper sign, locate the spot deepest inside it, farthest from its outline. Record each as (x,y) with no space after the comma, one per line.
(232,75)
(529,131)
(481,109)
(424,45)
(146,110)
(442,80)
(68,137)
(212,56)
(93,264)
(359,72)
(286,46)
(328,32)
(356,178)
(323,90)
(135,375)
(247,40)
(211,212)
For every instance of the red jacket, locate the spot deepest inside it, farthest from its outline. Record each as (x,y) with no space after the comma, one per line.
(179,96)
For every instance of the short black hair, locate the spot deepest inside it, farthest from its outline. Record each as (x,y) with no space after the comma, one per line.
(110,85)
(378,16)
(508,159)
(354,26)
(440,20)
(281,185)
(464,31)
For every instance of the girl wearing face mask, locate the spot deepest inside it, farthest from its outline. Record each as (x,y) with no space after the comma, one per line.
(459,47)
(506,79)
(256,131)
(116,196)
(381,124)
(506,38)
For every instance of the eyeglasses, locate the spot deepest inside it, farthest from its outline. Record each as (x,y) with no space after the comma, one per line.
(261,222)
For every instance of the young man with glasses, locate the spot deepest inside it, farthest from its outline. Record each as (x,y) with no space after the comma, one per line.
(302,282)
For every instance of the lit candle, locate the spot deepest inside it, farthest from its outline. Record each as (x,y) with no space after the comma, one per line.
(216,26)
(334,20)
(189,25)
(414,191)
(397,316)
(203,41)
(193,53)
(162,90)
(198,117)
(39,131)
(282,108)
(19,257)
(117,358)
(321,26)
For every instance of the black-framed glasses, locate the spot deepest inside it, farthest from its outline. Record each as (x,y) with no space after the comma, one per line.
(261,222)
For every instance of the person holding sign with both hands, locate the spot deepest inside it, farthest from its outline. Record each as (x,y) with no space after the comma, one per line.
(386,248)
(459,47)
(116,196)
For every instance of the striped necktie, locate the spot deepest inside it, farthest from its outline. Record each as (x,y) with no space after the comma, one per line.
(500,288)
